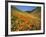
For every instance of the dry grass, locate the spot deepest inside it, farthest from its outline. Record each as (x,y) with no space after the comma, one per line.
(23,21)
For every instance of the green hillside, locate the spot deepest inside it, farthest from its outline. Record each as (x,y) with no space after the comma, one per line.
(37,12)
(22,21)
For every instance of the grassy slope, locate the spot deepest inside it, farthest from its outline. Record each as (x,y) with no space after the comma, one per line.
(37,13)
(33,17)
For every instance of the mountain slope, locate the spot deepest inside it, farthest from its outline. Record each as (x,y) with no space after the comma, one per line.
(30,21)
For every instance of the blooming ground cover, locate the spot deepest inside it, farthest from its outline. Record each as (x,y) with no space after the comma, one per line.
(24,21)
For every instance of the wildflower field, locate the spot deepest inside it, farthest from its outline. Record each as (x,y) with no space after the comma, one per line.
(25,20)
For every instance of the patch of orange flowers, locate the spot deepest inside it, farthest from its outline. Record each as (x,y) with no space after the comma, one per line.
(23,18)
(26,21)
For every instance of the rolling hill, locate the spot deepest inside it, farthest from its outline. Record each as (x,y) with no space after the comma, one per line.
(22,21)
